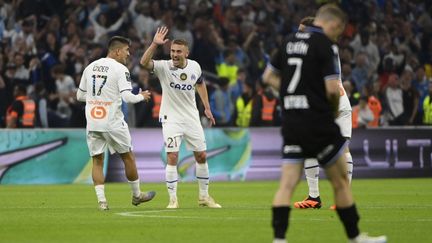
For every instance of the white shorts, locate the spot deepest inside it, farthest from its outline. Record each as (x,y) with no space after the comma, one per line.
(192,133)
(118,140)
(344,122)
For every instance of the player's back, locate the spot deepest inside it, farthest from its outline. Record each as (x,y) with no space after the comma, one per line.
(104,79)
(306,61)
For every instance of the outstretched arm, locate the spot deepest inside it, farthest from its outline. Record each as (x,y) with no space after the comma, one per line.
(202,91)
(158,39)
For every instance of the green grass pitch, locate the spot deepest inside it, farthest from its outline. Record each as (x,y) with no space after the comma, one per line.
(399,208)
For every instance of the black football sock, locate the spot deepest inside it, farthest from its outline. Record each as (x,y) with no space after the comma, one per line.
(350,219)
(280,221)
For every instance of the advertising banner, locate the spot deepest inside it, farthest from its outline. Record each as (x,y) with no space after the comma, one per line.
(32,156)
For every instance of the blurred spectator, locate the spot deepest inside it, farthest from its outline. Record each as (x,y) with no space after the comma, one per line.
(237,88)
(228,68)
(421,83)
(394,101)
(410,98)
(427,107)
(374,103)
(266,105)
(100,24)
(41,113)
(361,114)
(362,43)
(360,74)
(181,31)
(21,113)
(244,105)
(65,91)
(147,113)
(221,103)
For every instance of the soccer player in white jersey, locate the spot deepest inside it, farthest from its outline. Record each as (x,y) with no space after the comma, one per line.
(179,77)
(345,124)
(104,83)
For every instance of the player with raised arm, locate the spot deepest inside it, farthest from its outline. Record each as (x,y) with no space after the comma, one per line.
(344,121)
(104,83)
(305,72)
(179,77)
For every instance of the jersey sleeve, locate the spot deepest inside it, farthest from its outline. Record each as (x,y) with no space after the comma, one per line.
(158,66)
(83,82)
(330,58)
(276,61)
(200,78)
(124,80)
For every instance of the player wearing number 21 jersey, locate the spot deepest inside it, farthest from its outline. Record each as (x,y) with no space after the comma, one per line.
(179,78)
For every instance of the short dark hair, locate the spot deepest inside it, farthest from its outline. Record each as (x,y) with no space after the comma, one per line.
(307,21)
(182,42)
(116,41)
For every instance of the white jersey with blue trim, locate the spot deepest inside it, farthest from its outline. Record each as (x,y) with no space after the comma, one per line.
(178,103)
(103,81)
(344,103)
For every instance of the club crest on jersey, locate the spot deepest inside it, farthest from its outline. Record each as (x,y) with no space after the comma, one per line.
(183,76)
(127,77)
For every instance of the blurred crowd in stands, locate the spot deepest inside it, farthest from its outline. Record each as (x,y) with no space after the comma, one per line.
(386,55)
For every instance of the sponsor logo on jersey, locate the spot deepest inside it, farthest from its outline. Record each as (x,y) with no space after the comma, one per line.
(292,149)
(193,77)
(183,76)
(181,86)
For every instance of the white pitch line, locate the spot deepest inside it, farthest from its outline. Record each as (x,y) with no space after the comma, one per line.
(155,214)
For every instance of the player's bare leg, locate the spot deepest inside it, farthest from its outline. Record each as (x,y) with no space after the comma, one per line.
(291,174)
(349,169)
(131,172)
(203,177)
(345,207)
(98,180)
(171,178)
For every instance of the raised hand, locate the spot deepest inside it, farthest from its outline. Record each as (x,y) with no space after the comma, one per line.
(159,37)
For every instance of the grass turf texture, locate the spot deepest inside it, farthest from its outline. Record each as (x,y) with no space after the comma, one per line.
(399,208)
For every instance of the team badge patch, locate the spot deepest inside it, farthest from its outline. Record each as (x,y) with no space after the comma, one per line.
(183,76)
(127,77)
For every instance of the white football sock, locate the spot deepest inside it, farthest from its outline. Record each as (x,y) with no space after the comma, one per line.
(171,179)
(202,175)
(350,166)
(100,193)
(312,176)
(135,187)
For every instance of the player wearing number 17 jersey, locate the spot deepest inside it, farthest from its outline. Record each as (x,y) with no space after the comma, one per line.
(305,72)
(104,83)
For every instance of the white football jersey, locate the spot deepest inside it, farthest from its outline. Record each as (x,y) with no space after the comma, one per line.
(103,80)
(344,103)
(178,103)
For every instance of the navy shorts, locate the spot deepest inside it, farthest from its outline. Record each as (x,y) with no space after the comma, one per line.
(323,142)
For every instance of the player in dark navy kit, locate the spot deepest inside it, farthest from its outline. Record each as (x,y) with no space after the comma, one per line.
(306,72)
